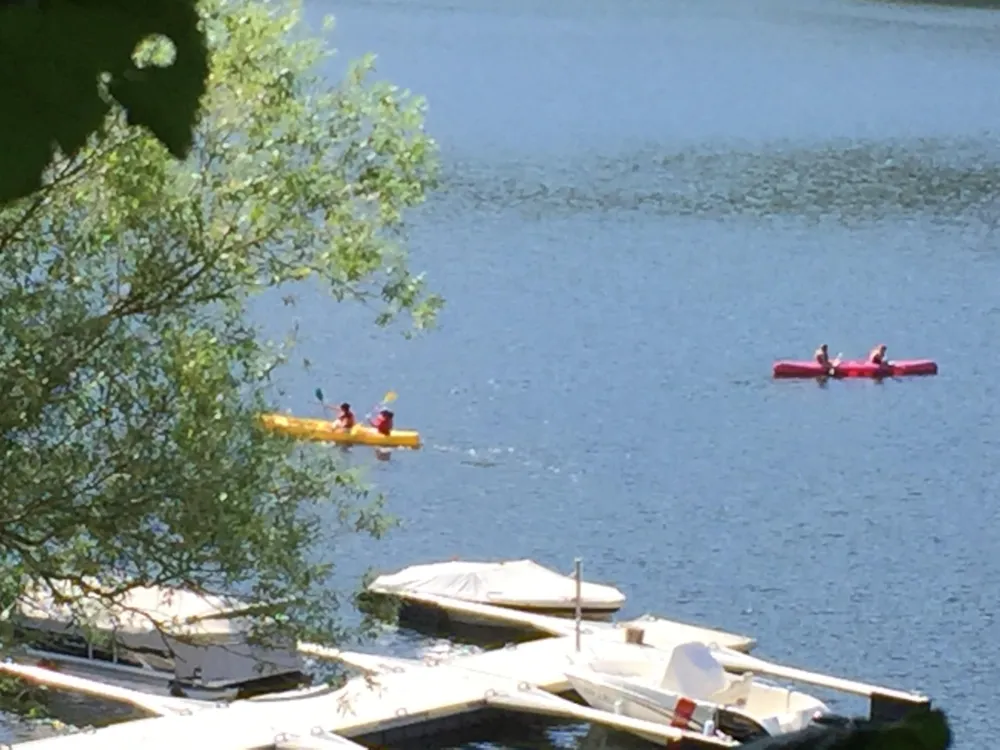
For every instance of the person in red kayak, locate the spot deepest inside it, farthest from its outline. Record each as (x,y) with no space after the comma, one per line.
(877,355)
(822,357)
(345,417)
(383,422)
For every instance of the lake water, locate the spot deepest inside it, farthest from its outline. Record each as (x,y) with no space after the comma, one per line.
(646,202)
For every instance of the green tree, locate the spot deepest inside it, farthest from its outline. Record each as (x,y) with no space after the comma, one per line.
(64,62)
(130,374)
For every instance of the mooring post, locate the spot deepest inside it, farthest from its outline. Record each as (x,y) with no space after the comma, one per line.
(578,574)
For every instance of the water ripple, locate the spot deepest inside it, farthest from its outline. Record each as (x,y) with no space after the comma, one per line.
(847,181)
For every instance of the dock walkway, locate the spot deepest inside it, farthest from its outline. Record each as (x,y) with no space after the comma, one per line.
(401,699)
(399,696)
(658,631)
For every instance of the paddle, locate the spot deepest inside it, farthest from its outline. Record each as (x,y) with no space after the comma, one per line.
(885,368)
(388,398)
(322,401)
(833,365)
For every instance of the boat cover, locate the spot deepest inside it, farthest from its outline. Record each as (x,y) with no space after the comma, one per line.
(184,625)
(515,583)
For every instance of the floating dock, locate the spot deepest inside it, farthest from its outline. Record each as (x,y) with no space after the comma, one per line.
(401,699)
(404,700)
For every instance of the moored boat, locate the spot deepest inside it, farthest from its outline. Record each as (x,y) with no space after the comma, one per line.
(158,640)
(326,430)
(689,689)
(516,584)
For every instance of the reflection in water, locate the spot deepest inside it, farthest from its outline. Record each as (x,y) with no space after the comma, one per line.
(511,731)
(602,738)
(850,182)
(514,731)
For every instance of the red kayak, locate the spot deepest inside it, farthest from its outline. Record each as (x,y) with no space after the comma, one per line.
(856,369)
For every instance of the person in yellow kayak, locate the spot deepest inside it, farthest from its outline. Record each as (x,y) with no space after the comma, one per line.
(345,418)
(383,422)
(877,355)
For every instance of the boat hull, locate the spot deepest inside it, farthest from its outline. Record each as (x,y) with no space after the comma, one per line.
(422,613)
(634,702)
(157,681)
(324,430)
(855,369)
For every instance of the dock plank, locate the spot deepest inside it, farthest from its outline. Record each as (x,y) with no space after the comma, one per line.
(550,705)
(241,725)
(541,663)
(417,695)
(220,729)
(659,631)
(664,633)
(154,704)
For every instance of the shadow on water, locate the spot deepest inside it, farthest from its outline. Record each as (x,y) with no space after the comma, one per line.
(501,729)
(486,637)
(850,182)
(527,732)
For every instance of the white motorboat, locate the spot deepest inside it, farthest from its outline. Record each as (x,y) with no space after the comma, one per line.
(158,640)
(517,584)
(688,688)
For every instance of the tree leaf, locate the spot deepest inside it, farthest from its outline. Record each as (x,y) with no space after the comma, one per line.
(53,57)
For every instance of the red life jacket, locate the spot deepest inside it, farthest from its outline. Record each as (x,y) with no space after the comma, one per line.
(346,419)
(382,423)
(821,358)
(875,357)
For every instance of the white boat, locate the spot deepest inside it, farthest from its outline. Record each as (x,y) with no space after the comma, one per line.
(689,689)
(517,584)
(158,640)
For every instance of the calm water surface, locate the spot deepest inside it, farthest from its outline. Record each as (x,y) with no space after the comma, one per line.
(648,202)
(645,204)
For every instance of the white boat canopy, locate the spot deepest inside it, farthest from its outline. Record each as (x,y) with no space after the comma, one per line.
(139,618)
(516,583)
(199,634)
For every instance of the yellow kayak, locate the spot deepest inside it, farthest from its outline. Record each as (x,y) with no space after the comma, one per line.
(323,429)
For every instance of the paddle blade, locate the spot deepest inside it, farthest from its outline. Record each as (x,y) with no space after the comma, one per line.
(389,397)
(319,395)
